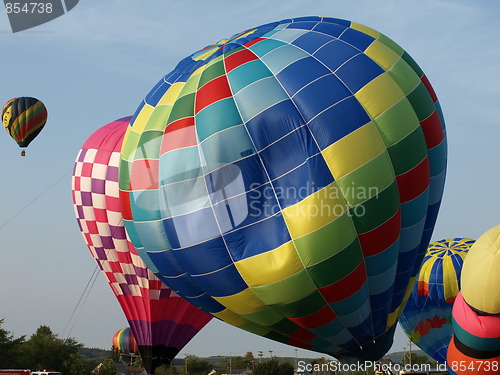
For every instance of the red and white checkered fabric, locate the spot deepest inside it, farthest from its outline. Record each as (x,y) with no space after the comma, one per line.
(155,313)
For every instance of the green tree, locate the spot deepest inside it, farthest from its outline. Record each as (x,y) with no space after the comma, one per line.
(249,359)
(273,367)
(196,365)
(107,367)
(239,362)
(75,365)
(10,349)
(166,370)
(115,355)
(88,365)
(44,350)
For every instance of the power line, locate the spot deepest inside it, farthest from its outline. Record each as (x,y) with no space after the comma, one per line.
(34,199)
(83,297)
(83,303)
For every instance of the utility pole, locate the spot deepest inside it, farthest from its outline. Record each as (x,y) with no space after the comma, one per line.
(260,356)
(296,360)
(410,353)
(271,354)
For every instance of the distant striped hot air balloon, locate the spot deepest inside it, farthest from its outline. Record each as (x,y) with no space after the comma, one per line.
(24,118)
(124,342)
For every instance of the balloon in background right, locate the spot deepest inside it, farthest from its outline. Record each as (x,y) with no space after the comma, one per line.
(481,274)
(426,318)
(475,346)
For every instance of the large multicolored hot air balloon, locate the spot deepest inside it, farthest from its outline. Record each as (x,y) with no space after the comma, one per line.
(287,181)
(161,321)
(475,346)
(426,318)
(124,341)
(24,118)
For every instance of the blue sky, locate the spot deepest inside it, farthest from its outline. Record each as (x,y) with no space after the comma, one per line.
(96,63)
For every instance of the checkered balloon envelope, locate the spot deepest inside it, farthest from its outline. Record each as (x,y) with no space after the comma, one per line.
(161,321)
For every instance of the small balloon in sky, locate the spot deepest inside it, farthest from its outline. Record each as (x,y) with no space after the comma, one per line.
(24,118)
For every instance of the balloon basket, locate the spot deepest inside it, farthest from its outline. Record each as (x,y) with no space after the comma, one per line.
(23,153)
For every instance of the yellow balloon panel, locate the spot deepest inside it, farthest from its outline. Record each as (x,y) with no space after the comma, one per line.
(481,273)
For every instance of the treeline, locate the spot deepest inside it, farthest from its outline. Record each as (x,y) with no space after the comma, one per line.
(45,350)
(194,365)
